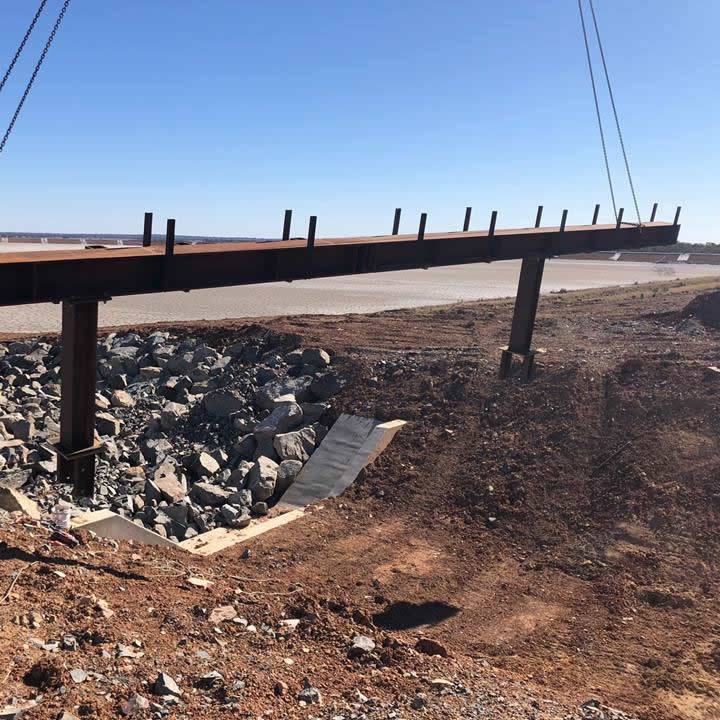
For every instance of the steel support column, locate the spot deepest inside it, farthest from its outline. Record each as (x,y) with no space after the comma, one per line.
(523,323)
(76,450)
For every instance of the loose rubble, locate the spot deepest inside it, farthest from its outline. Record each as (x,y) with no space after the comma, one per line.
(194,436)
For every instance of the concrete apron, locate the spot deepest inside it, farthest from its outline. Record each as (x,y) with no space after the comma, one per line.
(351,444)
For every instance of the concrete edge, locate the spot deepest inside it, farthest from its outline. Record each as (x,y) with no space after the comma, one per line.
(108,524)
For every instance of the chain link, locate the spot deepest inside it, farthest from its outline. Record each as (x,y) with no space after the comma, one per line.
(50,39)
(22,44)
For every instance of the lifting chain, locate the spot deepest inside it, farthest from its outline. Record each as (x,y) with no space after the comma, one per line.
(35,71)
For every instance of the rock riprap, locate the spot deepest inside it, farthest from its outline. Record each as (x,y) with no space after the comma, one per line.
(195,434)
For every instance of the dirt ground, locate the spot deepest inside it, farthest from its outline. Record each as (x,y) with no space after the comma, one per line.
(557,538)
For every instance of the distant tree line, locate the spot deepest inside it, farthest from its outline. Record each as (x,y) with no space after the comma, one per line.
(685,247)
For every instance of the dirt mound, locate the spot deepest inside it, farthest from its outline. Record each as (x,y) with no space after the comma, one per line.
(705,308)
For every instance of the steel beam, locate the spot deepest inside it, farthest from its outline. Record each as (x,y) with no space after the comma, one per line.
(54,276)
(76,449)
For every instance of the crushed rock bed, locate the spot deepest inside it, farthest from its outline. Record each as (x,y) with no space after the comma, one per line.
(195,435)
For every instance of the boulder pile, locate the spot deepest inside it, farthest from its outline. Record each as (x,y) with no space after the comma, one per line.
(194,435)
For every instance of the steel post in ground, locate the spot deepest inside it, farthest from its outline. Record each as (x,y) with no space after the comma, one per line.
(76,449)
(523,322)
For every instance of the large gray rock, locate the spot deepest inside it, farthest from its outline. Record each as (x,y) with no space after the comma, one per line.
(205,493)
(221,403)
(14,501)
(315,357)
(179,364)
(265,396)
(22,428)
(295,445)
(235,517)
(171,489)
(171,413)
(326,385)
(262,477)
(286,474)
(155,448)
(205,465)
(107,424)
(245,447)
(283,418)
(122,399)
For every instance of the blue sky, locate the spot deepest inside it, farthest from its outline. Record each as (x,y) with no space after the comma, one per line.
(225,112)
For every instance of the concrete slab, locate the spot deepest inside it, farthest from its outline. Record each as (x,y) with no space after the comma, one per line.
(352,443)
(221,538)
(108,524)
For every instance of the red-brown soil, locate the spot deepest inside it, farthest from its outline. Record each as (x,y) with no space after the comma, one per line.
(558,538)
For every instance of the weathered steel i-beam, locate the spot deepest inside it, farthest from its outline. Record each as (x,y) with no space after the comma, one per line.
(80,278)
(77,448)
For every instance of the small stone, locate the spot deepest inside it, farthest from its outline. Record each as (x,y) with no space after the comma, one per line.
(309,694)
(280,688)
(65,715)
(418,702)
(210,680)
(441,684)
(223,613)
(430,647)
(200,582)
(78,675)
(361,645)
(134,704)
(165,685)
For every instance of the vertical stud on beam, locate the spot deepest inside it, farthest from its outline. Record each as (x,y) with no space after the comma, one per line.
(538,217)
(286,225)
(396,221)
(677,215)
(147,229)
(310,245)
(492,244)
(170,238)
(654,211)
(595,214)
(421,240)
(621,211)
(563,220)
(76,449)
(466,222)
